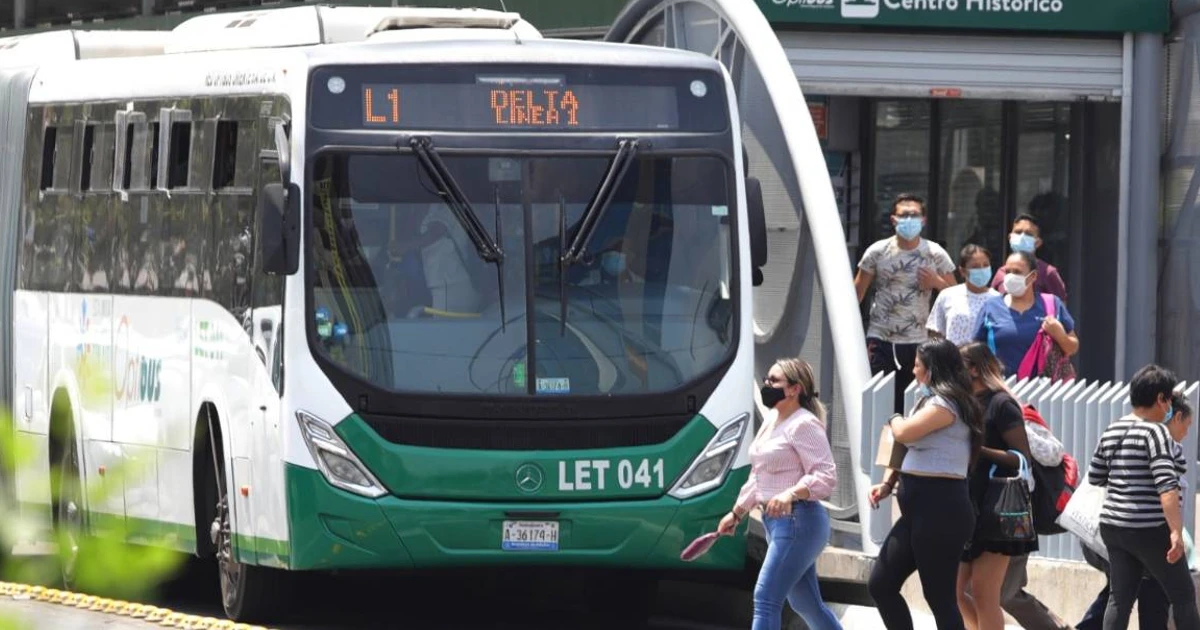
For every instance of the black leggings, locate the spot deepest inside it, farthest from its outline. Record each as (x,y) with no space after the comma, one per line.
(937,520)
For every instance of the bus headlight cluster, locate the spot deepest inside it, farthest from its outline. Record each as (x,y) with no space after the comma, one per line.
(712,465)
(335,460)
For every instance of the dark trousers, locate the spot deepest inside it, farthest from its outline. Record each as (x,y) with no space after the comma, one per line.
(1131,554)
(937,519)
(1028,610)
(1152,607)
(884,357)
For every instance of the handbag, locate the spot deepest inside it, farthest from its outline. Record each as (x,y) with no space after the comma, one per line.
(1006,514)
(1081,517)
(890,453)
(1045,357)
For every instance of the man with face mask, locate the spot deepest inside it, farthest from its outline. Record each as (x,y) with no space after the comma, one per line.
(904,270)
(1026,236)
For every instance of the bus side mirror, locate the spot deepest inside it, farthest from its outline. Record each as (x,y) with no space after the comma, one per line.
(757,221)
(279,229)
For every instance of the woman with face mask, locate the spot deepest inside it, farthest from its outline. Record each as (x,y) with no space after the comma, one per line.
(943,433)
(955,313)
(1009,324)
(1141,523)
(1153,605)
(792,470)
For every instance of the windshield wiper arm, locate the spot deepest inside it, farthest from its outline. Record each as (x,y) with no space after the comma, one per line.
(500,262)
(456,199)
(571,254)
(626,153)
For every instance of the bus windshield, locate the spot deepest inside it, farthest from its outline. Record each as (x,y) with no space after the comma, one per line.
(404,299)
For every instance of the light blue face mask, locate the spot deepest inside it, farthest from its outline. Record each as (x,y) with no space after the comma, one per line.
(613,263)
(1022,243)
(909,227)
(923,391)
(979,277)
(1170,414)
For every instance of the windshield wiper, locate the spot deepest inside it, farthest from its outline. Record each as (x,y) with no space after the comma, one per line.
(573,253)
(617,168)
(500,263)
(456,199)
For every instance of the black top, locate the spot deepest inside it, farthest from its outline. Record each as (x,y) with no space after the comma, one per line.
(1001,413)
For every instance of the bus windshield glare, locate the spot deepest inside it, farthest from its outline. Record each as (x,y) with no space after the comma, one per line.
(404,300)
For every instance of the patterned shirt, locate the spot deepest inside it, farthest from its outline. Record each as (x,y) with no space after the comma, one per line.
(901,308)
(1137,461)
(795,451)
(955,313)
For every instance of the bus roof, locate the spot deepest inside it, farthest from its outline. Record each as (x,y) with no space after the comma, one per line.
(263,29)
(284,71)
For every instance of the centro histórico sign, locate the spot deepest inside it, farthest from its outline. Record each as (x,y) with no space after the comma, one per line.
(1050,15)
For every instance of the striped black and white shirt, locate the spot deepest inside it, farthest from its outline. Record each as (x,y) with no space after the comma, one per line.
(1137,461)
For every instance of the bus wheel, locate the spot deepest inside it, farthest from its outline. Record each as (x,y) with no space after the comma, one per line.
(68,512)
(248,593)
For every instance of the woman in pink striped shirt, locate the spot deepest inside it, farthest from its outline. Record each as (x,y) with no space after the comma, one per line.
(791,471)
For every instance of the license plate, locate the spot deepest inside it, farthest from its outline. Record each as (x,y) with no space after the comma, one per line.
(530,536)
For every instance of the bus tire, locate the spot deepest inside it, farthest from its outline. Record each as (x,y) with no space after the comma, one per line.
(66,492)
(249,594)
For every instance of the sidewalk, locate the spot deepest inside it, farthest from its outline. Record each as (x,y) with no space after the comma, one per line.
(867,618)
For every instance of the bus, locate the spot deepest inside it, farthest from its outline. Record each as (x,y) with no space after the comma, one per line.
(377,288)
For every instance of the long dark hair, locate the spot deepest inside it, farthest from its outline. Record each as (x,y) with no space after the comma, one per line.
(948,378)
(979,356)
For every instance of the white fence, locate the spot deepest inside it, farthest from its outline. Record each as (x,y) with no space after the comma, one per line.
(1077,412)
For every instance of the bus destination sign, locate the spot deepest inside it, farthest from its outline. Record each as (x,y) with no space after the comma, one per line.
(465,99)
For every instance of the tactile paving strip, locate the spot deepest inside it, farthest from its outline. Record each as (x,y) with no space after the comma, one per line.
(152,614)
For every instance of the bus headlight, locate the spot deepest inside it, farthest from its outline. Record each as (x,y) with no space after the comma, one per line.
(335,460)
(712,465)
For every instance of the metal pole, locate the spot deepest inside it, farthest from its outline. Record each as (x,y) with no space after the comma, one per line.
(147,7)
(1119,371)
(1141,246)
(19,14)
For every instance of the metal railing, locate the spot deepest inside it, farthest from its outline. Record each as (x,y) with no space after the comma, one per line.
(1077,413)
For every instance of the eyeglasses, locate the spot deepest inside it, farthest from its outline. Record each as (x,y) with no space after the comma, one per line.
(773,380)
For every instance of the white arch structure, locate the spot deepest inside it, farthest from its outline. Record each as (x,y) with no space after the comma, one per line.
(734,31)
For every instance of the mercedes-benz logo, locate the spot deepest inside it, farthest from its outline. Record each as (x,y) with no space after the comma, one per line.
(530,478)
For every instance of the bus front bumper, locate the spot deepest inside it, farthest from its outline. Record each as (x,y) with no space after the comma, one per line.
(333,529)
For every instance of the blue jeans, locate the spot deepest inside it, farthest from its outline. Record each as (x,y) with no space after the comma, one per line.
(790,569)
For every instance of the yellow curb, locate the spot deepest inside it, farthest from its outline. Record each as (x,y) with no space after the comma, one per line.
(161,616)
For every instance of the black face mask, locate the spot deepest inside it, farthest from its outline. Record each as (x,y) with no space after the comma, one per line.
(772,396)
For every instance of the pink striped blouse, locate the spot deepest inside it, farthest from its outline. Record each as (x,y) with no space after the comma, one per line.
(796,451)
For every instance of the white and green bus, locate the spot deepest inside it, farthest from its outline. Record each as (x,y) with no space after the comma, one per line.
(378,289)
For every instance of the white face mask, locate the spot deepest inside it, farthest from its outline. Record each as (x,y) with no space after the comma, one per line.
(1014,284)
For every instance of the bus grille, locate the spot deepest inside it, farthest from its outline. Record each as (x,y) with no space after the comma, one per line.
(525,435)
